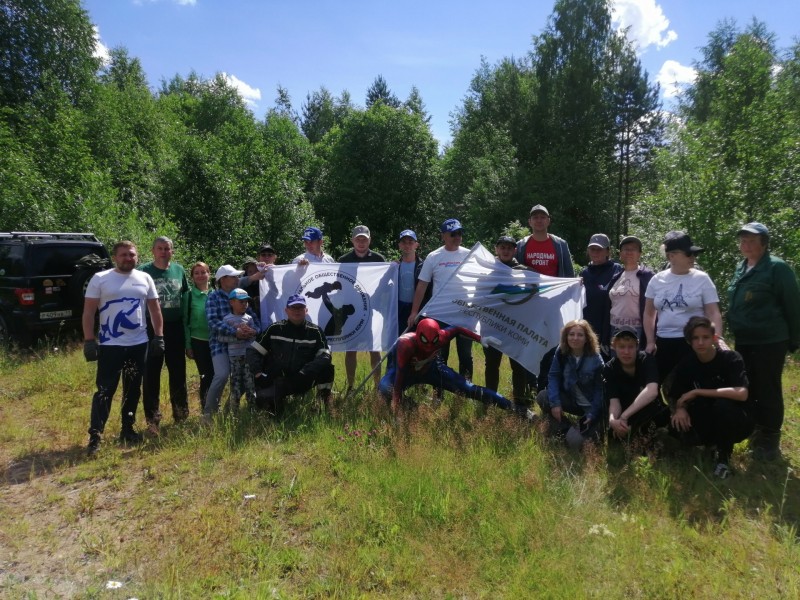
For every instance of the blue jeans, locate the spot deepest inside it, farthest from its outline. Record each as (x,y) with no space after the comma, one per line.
(222,369)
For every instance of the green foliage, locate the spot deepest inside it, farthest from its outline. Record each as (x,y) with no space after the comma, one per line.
(235,182)
(380,171)
(45,43)
(379,92)
(321,112)
(733,157)
(128,133)
(573,125)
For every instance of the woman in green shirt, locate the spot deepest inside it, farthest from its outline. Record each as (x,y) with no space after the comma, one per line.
(193,308)
(764,316)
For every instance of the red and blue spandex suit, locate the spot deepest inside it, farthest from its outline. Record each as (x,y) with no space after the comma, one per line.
(416,361)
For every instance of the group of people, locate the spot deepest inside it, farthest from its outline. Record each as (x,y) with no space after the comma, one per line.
(650,336)
(644,336)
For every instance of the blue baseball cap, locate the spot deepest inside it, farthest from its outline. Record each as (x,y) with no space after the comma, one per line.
(757,228)
(295,300)
(311,234)
(407,233)
(451,225)
(238,294)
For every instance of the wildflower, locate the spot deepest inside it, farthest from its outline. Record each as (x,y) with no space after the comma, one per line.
(113,585)
(600,529)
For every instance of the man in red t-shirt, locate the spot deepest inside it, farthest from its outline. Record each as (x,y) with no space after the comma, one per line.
(544,252)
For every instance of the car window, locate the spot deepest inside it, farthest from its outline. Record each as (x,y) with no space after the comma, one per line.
(11,263)
(58,260)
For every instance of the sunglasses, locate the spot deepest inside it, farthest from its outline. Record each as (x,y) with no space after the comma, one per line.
(456,234)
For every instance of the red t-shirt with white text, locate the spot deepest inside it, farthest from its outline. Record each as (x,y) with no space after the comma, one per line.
(541,256)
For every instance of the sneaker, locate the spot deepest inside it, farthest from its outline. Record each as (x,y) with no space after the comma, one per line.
(129,436)
(94,445)
(153,428)
(722,471)
(524,413)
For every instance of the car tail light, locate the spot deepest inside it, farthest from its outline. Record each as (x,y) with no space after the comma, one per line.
(25,296)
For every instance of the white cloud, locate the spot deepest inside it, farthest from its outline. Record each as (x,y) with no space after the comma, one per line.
(100,49)
(648,25)
(674,77)
(250,95)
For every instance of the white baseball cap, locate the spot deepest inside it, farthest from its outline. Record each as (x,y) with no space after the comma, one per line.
(227,271)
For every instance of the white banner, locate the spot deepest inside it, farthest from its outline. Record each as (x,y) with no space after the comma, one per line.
(523,309)
(355,304)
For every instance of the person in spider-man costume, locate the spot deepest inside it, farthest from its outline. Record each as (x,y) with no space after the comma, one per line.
(416,360)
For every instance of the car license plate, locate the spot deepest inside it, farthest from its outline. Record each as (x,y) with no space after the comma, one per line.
(55,314)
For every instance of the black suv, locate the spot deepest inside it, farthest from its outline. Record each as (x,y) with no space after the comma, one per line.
(43,278)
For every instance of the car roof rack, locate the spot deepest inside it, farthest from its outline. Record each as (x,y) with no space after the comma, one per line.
(26,235)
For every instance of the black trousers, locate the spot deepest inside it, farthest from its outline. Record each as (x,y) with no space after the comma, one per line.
(113,363)
(205,367)
(719,422)
(272,397)
(464,350)
(174,347)
(519,374)
(764,365)
(669,352)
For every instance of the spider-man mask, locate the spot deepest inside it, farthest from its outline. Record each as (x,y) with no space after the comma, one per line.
(428,334)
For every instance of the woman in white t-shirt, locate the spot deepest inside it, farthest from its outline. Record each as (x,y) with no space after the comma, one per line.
(673,296)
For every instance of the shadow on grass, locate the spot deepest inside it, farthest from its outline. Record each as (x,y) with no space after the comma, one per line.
(683,480)
(38,464)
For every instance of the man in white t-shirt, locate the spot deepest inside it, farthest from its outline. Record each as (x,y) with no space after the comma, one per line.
(436,268)
(312,241)
(121,296)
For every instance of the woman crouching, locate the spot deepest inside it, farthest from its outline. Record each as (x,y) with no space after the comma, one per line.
(575,386)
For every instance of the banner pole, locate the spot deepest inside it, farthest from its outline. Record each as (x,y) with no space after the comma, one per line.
(354,391)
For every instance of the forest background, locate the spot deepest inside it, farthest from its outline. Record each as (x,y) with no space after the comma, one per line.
(575,124)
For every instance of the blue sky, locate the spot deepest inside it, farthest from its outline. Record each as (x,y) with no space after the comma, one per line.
(435,45)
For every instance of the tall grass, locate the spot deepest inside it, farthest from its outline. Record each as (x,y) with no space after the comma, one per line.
(450,501)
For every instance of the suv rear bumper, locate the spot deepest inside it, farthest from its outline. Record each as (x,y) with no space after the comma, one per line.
(31,321)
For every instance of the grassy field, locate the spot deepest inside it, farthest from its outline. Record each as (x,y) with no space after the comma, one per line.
(454,501)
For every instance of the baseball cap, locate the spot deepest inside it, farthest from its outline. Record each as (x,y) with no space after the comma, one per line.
(238,294)
(540,208)
(626,331)
(680,241)
(227,271)
(757,228)
(248,260)
(360,230)
(311,234)
(601,240)
(451,225)
(295,300)
(505,239)
(407,233)
(266,247)
(631,239)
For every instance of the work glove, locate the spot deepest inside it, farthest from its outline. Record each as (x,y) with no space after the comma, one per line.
(488,340)
(90,350)
(156,349)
